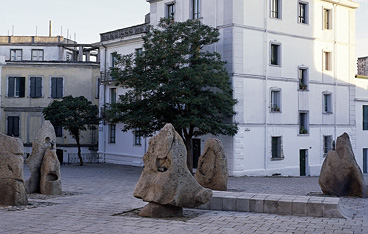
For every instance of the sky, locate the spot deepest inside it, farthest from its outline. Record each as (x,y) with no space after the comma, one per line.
(86,19)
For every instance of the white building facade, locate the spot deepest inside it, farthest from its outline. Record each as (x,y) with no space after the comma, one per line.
(292,65)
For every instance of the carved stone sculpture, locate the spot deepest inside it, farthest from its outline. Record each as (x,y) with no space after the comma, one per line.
(212,166)
(12,190)
(340,174)
(41,142)
(165,179)
(50,174)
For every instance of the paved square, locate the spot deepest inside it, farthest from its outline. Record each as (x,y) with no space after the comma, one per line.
(99,199)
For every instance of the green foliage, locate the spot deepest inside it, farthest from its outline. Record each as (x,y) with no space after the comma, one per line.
(75,114)
(175,80)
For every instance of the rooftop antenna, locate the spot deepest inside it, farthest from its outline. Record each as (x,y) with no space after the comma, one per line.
(36,31)
(67,33)
(12,30)
(61,31)
(50,28)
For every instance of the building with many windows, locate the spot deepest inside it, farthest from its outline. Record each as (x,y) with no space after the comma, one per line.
(38,71)
(292,66)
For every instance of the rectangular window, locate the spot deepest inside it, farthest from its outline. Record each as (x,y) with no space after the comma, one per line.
(58,130)
(275,101)
(16,86)
(303,12)
(327,145)
(138,52)
(276,149)
(37,55)
(57,87)
(112,95)
(327,103)
(303,123)
(171,11)
(113,59)
(196,9)
(16,55)
(112,133)
(137,137)
(327,61)
(303,79)
(275,54)
(35,89)
(365,117)
(327,19)
(13,126)
(275,9)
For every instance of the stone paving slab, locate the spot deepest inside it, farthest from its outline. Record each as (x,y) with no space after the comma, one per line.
(98,194)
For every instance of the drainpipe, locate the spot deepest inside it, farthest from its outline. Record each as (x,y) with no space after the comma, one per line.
(334,25)
(265,64)
(104,103)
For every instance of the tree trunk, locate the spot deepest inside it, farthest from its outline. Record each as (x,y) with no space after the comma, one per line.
(188,146)
(79,150)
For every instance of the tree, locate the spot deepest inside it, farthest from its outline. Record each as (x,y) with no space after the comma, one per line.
(75,114)
(175,80)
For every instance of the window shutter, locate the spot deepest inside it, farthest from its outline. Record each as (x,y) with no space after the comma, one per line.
(16,126)
(53,87)
(59,87)
(365,117)
(32,87)
(38,89)
(11,86)
(22,86)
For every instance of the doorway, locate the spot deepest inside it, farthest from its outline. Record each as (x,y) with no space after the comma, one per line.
(196,143)
(303,155)
(59,153)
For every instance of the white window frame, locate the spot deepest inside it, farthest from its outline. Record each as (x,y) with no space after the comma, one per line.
(306,12)
(303,83)
(327,102)
(327,60)
(16,54)
(275,100)
(278,45)
(327,20)
(279,150)
(112,133)
(327,144)
(37,55)
(276,13)
(196,9)
(303,128)
(168,11)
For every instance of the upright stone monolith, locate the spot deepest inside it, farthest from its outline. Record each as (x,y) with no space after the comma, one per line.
(50,183)
(340,173)
(42,141)
(212,166)
(12,190)
(166,181)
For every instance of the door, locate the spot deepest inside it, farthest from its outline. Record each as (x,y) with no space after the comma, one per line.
(196,144)
(365,159)
(59,153)
(303,162)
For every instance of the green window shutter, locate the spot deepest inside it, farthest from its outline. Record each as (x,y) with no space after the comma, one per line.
(22,86)
(38,88)
(365,117)
(59,87)
(11,86)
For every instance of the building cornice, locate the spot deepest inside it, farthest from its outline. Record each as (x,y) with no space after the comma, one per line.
(124,32)
(345,3)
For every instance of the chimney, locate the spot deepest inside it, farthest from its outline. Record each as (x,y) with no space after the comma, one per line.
(50,28)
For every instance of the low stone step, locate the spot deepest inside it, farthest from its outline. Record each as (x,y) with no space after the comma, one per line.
(312,206)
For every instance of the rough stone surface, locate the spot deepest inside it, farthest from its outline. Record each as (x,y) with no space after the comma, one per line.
(155,210)
(340,174)
(12,190)
(212,166)
(50,174)
(41,142)
(165,178)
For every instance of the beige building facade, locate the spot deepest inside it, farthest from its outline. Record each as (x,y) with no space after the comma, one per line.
(38,71)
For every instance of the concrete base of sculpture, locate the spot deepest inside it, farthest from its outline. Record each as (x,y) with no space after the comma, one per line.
(154,210)
(12,193)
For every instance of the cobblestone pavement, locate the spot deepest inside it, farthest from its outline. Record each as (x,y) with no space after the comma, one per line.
(98,199)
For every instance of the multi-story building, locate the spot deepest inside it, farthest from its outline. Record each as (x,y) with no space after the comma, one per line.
(38,71)
(292,66)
